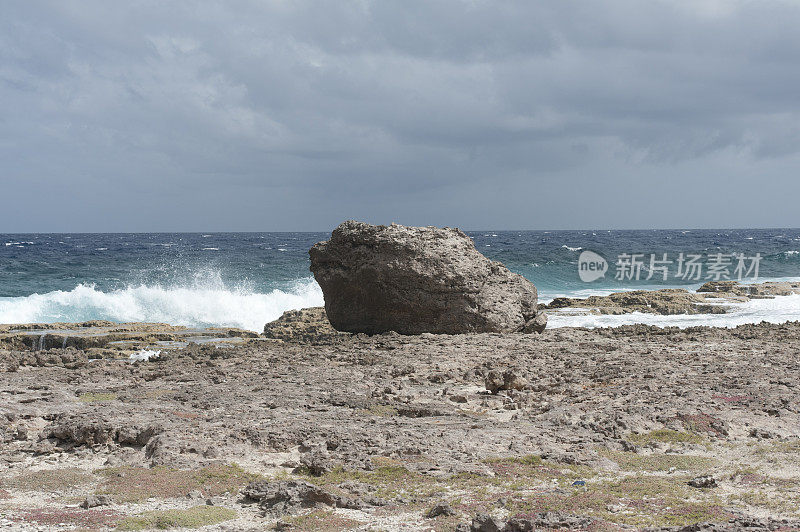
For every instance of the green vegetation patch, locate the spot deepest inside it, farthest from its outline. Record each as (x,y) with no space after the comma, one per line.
(389,481)
(780,501)
(641,500)
(91,519)
(130,484)
(666,436)
(778,450)
(659,462)
(194,517)
(48,480)
(527,471)
(97,397)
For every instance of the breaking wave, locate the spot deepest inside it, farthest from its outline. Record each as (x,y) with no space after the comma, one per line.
(203,305)
(778,310)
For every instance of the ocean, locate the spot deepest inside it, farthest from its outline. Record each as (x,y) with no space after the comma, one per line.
(247,279)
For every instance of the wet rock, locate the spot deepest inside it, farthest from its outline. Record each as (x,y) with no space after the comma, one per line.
(417,279)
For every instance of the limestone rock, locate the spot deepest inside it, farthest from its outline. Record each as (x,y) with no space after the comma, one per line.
(765,290)
(284,497)
(665,301)
(413,280)
(307,325)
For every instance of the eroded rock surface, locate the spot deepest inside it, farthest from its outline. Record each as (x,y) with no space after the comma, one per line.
(304,325)
(572,428)
(666,301)
(714,297)
(413,280)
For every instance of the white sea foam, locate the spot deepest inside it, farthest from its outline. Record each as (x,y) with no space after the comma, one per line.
(571,249)
(778,310)
(200,305)
(144,355)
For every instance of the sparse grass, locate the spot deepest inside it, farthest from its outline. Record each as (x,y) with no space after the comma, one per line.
(640,495)
(158,393)
(645,499)
(702,423)
(578,502)
(389,481)
(529,459)
(48,480)
(773,448)
(97,397)
(129,484)
(194,517)
(780,502)
(749,476)
(322,520)
(93,519)
(648,487)
(666,436)
(659,462)
(523,472)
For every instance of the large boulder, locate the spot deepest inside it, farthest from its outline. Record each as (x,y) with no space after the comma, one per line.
(411,280)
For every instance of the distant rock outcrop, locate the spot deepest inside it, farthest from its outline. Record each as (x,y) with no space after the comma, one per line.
(766,290)
(412,280)
(714,297)
(665,301)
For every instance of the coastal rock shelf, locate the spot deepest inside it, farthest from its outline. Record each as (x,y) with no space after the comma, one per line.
(596,429)
(711,298)
(105,338)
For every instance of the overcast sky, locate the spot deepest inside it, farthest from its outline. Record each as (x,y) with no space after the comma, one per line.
(290,115)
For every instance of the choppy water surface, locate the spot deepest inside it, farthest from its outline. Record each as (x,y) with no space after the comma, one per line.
(247,279)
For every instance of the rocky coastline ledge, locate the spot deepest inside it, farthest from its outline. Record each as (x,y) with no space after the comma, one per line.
(605,429)
(306,427)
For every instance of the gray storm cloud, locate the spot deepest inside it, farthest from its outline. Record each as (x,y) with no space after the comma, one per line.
(295,115)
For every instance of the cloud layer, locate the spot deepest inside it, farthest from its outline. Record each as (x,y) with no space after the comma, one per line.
(257,115)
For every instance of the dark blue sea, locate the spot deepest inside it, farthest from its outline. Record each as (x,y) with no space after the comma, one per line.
(248,279)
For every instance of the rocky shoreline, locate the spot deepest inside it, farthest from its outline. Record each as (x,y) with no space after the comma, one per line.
(306,428)
(716,297)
